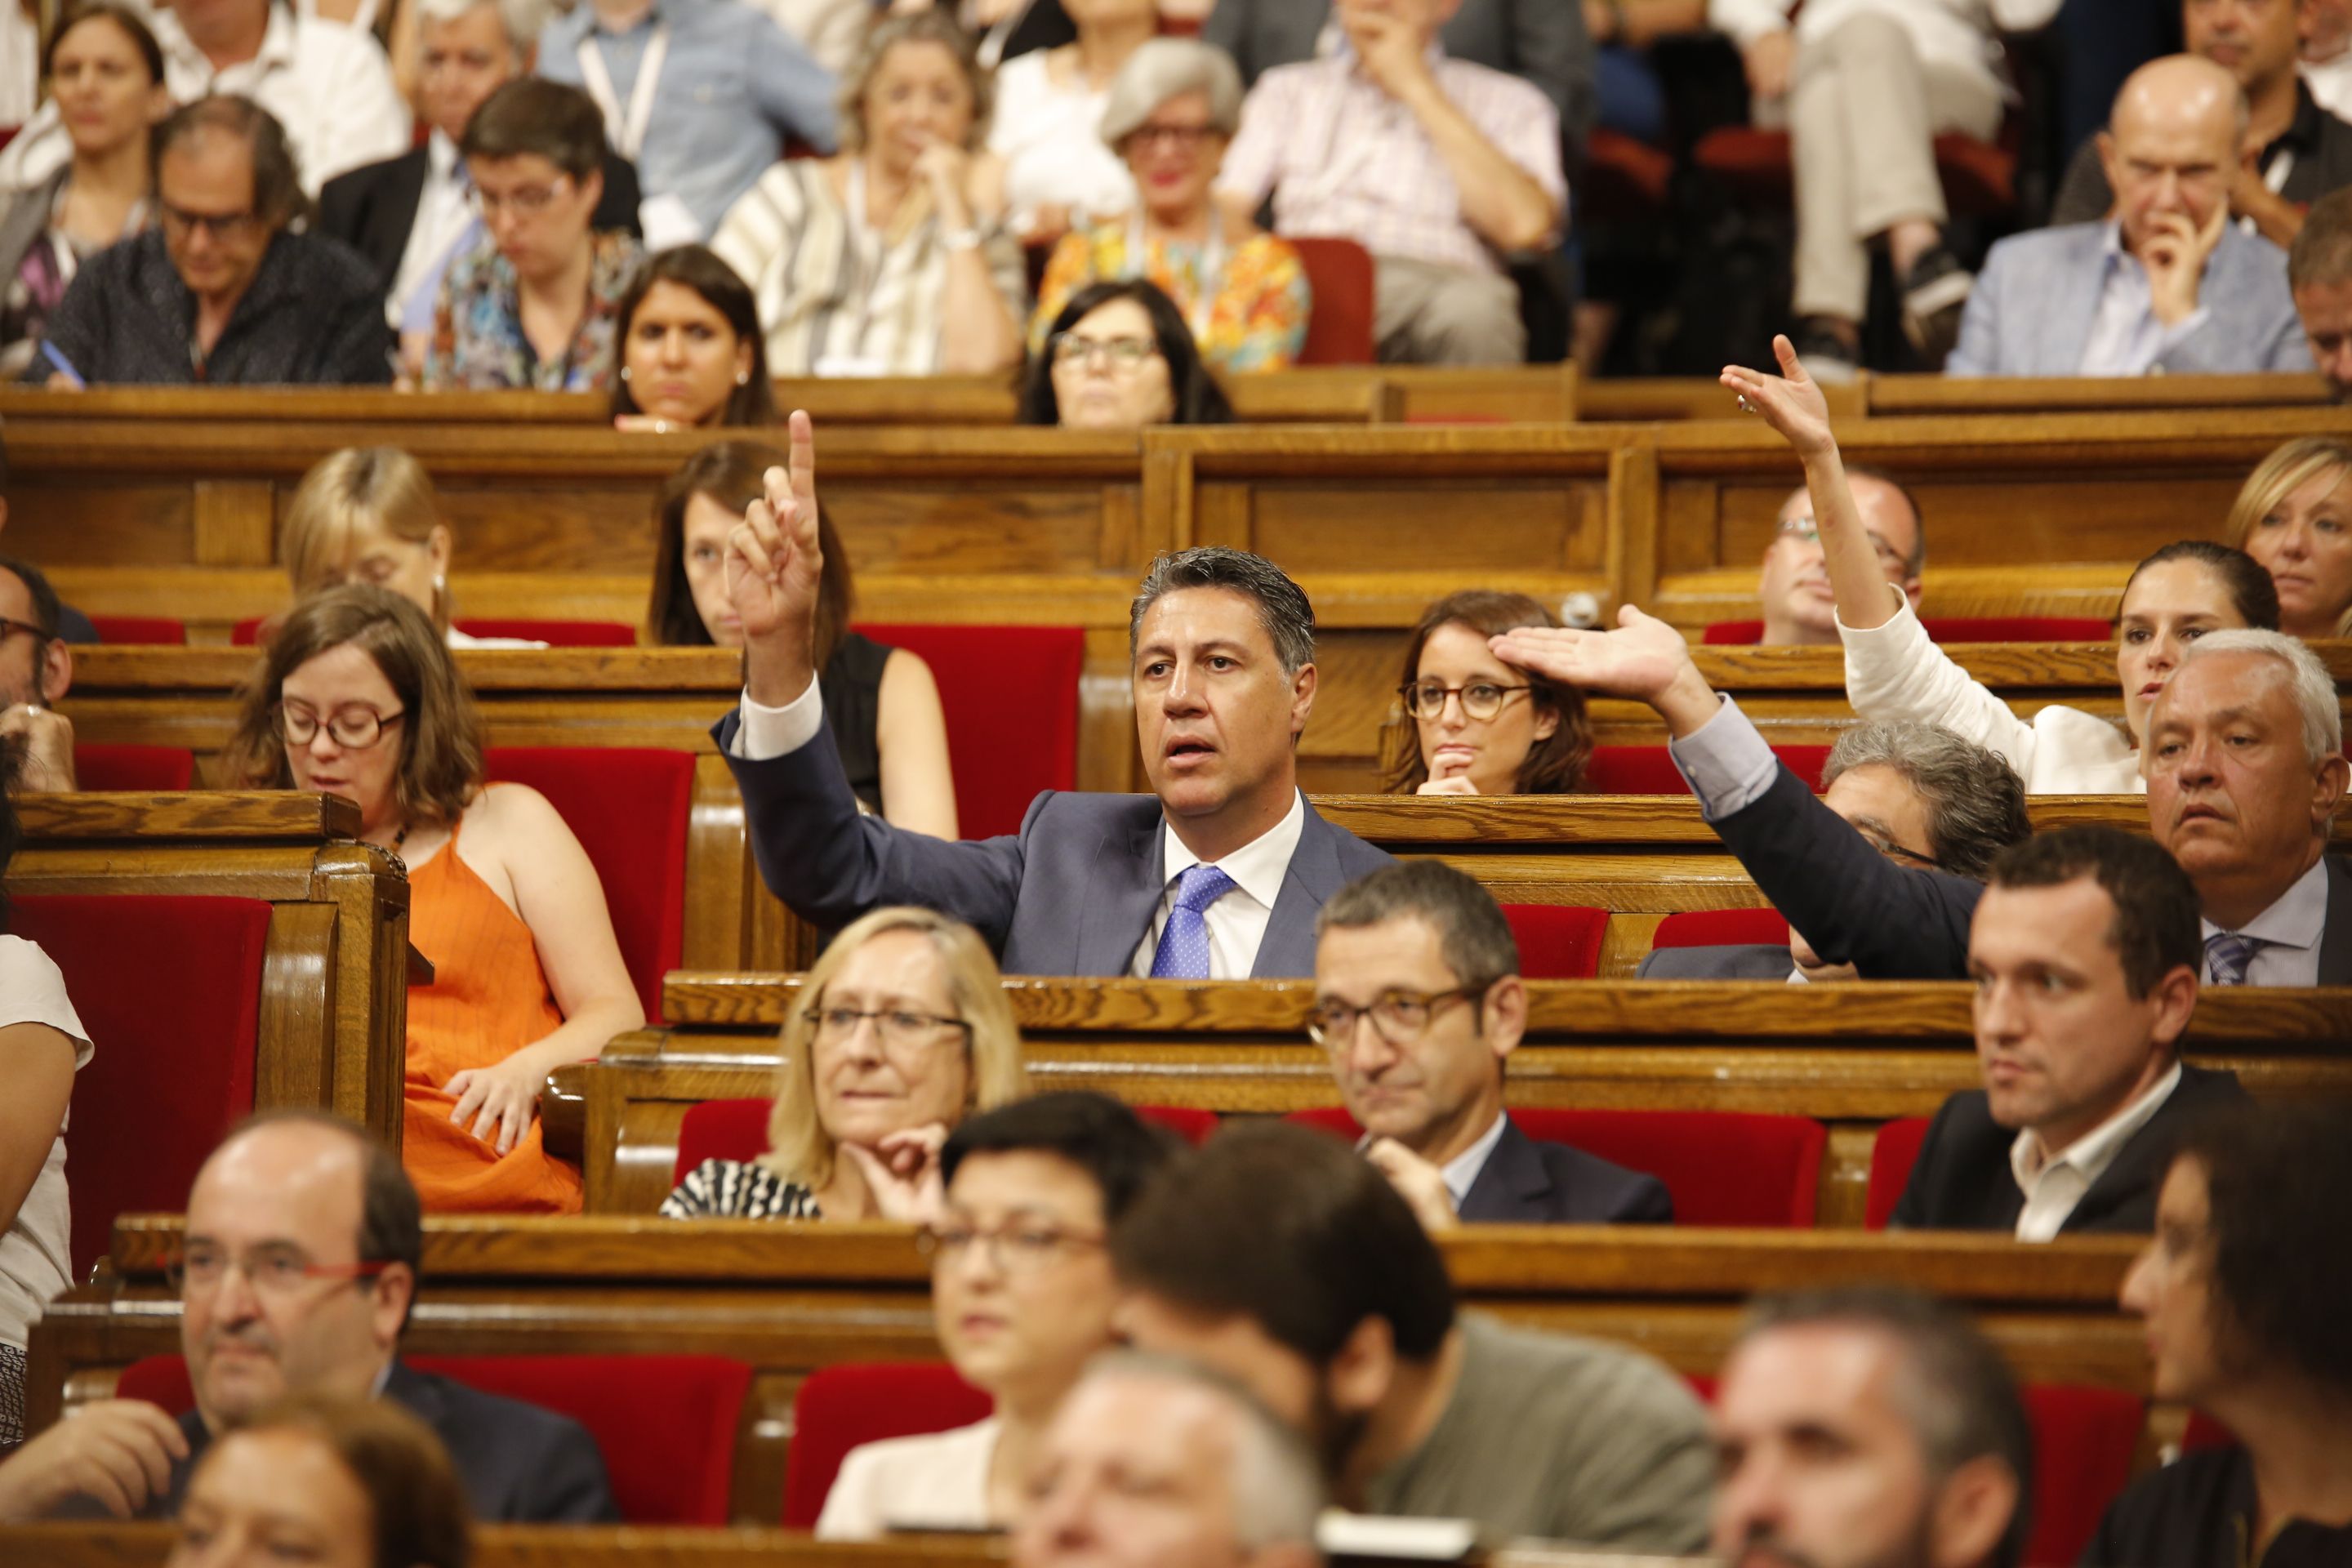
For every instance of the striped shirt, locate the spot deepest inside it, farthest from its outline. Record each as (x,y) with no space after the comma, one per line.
(736,1189)
(837,298)
(1344,159)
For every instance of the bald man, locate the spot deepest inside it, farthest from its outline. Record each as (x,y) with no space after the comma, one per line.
(2166,283)
(1794,587)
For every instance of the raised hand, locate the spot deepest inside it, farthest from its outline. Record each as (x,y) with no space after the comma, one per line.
(1790,402)
(774,562)
(1643,658)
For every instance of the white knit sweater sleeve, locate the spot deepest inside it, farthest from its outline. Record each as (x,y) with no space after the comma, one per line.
(1893,673)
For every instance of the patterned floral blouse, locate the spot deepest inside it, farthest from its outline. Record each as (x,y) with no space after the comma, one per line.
(478,342)
(1256,320)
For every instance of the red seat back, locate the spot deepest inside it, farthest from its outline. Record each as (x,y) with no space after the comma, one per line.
(1722,1167)
(1722,928)
(737,1130)
(143,630)
(665,1424)
(1648,769)
(1558,942)
(145,770)
(1339,326)
(628,806)
(840,1407)
(1012,699)
(166,1082)
(2084,1440)
(245,633)
(1950,628)
(554,633)
(1892,1155)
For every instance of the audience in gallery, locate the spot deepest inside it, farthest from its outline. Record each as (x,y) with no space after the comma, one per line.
(2183,592)
(692,353)
(1243,293)
(1438,167)
(327,1480)
(1864,88)
(409,215)
(1869,1427)
(1423,1078)
(892,258)
(700,95)
(830,30)
(2325,60)
(326,83)
(2292,518)
(2169,283)
(535,302)
(226,290)
(37,742)
(356,696)
(42,1046)
(881,704)
(906,1032)
(1630,91)
(1058,173)
(297,1274)
(2319,273)
(1278,1256)
(1793,589)
(1022,1296)
(107,70)
(1119,357)
(1919,796)
(1157,1461)
(1460,728)
(2243,1292)
(369,514)
(1216,875)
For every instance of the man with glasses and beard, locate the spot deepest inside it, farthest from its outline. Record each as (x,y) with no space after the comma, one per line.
(36,668)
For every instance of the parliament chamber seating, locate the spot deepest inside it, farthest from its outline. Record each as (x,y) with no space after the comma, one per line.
(1892,1155)
(1650,770)
(140,770)
(2086,1444)
(1722,928)
(155,629)
(1339,327)
(842,1407)
(1556,942)
(1949,629)
(1011,694)
(247,633)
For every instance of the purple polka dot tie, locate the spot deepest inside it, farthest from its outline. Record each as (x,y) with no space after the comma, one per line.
(1183,951)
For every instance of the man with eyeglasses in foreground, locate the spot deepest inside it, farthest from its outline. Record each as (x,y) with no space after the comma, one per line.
(298,1271)
(1799,610)
(1418,1000)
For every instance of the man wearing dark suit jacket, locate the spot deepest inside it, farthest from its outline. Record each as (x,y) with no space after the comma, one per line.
(1419,1002)
(298,1268)
(1217,874)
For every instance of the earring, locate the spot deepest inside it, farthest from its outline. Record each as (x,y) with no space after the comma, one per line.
(742,378)
(624,373)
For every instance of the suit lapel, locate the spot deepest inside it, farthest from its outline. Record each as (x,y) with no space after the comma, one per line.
(1122,891)
(396,214)
(1288,947)
(1512,1184)
(2336,936)
(2074,304)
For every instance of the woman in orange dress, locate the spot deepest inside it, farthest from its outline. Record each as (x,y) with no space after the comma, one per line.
(356,696)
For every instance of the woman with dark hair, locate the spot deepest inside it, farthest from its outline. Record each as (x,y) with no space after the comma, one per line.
(881,703)
(1119,357)
(691,350)
(2244,1294)
(1468,724)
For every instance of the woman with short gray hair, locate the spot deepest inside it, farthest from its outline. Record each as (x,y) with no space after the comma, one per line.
(1171,113)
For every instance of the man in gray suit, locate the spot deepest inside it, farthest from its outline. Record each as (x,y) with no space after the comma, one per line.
(1217,874)
(2169,283)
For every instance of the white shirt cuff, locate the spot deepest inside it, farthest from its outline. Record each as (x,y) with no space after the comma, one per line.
(767,734)
(1727,761)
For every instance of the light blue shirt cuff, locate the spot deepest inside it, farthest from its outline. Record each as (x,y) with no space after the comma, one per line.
(767,734)
(1726,762)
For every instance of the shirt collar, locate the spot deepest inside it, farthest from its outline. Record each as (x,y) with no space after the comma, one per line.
(2092,1153)
(2303,131)
(441,156)
(1257,868)
(2297,920)
(1461,1171)
(277,45)
(651,18)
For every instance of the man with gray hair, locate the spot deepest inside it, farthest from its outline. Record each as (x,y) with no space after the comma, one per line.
(2319,271)
(1419,1002)
(1217,875)
(1158,1462)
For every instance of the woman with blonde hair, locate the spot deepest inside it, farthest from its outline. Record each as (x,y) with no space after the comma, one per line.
(2295,516)
(1468,724)
(899,1031)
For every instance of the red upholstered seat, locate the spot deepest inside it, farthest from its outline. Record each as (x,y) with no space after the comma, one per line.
(1648,769)
(147,769)
(1339,329)
(1191,1123)
(1722,928)
(2084,1440)
(1558,942)
(245,633)
(1892,1155)
(160,630)
(627,806)
(737,1130)
(1723,1167)
(555,633)
(1012,700)
(170,990)
(665,1424)
(1979,177)
(1622,178)
(1949,629)
(841,1407)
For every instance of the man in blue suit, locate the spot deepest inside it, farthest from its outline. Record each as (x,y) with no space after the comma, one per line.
(2169,283)
(1217,874)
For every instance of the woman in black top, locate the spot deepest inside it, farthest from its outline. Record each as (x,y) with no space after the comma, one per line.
(2246,1292)
(882,703)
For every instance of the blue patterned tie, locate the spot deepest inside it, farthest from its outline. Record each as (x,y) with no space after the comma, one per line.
(2227,954)
(1183,951)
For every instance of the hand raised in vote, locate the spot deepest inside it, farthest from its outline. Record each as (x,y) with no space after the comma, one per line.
(1790,401)
(1643,658)
(902,1173)
(119,1451)
(1419,1183)
(774,561)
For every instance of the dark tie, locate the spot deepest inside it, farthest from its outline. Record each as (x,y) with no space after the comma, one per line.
(2227,954)
(1183,951)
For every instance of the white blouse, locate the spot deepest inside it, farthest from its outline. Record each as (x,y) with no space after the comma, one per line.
(938,1481)
(35,1264)
(1050,138)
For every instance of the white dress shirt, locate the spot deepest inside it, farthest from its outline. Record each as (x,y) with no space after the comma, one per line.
(2330,82)
(444,213)
(2126,336)
(2290,930)
(1237,921)
(2054,1185)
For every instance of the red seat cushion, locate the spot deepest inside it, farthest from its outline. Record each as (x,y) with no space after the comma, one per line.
(1722,928)
(665,1424)
(155,629)
(1892,1155)
(1723,1167)
(2084,1440)
(1191,1123)
(1648,769)
(1622,178)
(841,1407)
(1979,177)
(1949,628)
(737,1130)
(1340,325)
(145,770)
(166,1082)
(245,633)
(1558,942)
(1012,699)
(628,808)
(555,633)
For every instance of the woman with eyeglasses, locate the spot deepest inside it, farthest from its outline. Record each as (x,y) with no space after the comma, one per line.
(1022,1293)
(1893,673)
(1119,358)
(895,1034)
(1242,293)
(356,696)
(1468,724)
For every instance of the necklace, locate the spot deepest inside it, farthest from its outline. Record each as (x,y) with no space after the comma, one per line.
(393,848)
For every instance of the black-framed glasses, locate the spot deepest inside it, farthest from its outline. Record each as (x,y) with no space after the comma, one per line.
(900,1029)
(1805,531)
(219,226)
(1480,700)
(1400,1017)
(1012,1248)
(1123,353)
(524,201)
(1183,138)
(1894,851)
(275,1271)
(354,729)
(9,628)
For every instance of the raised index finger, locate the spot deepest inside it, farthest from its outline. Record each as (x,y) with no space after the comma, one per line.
(804,456)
